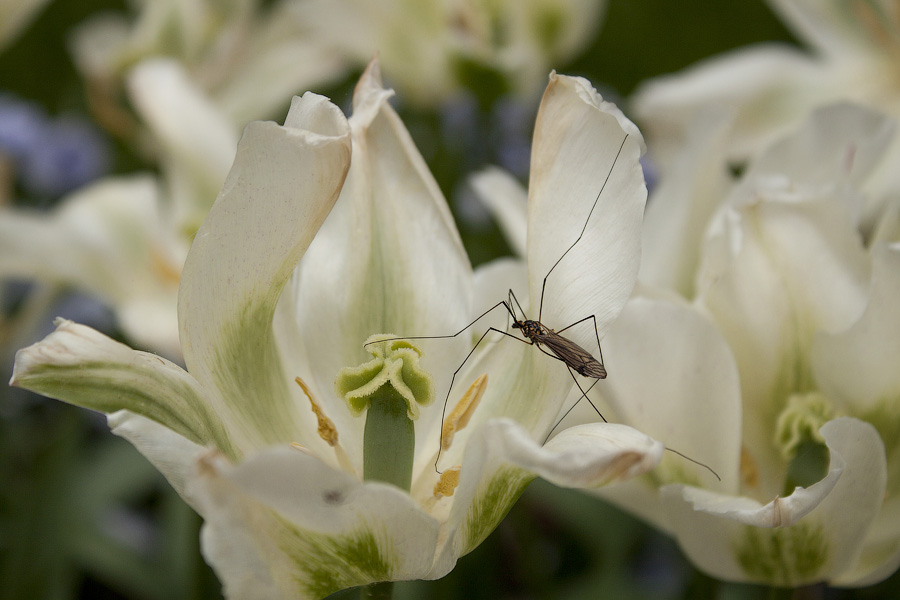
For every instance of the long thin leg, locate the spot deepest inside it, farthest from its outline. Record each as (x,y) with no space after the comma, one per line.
(512,297)
(583,229)
(453,378)
(584,394)
(439,337)
(596,333)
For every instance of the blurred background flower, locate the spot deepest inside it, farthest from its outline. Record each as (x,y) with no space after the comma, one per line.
(165,89)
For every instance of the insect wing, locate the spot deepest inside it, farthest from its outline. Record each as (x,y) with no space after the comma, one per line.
(573,355)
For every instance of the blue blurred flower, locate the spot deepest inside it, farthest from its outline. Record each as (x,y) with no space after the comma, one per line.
(52,156)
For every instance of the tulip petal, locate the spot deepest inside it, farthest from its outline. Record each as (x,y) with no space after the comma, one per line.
(810,536)
(838,144)
(858,367)
(198,142)
(773,274)
(284,525)
(282,186)
(109,240)
(826,26)
(503,458)
(675,380)
(575,161)
(766,85)
(387,260)
(80,366)
(172,454)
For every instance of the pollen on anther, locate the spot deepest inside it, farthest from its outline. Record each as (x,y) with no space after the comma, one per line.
(463,411)
(326,429)
(447,483)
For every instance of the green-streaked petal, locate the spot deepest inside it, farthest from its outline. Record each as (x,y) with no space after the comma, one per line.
(506,198)
(284,525)
(502,458)
(197,141)
(813,535)
(387,260)
(681,205)
(577,139)
(283,184)
(80,366)
(108,240)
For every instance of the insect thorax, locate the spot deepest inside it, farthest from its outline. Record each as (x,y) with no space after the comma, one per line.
(532,329)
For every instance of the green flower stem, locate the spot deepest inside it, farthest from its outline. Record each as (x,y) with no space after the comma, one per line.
(389,440)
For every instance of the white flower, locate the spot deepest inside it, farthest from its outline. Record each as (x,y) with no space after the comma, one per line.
(304,521)
(245,57)
(783,374)
(435,49)
(124,240)
(852,55)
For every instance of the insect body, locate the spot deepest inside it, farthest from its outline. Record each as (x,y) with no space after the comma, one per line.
(566,350)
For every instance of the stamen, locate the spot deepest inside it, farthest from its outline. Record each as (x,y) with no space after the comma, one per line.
(463,411)
(326,430)
(446,485)
(749,472)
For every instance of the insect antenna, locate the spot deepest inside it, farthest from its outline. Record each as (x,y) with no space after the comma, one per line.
(583,229)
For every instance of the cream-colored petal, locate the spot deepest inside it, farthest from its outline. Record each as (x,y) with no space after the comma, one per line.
(284,525)
(197,142)
(768,86)
(812,535)
(387,260)
(575,162)
(832,27)
(858,367)
(837,145)
(172,454)
(80,366)
(279,191)
(108,240)
(773,274)
(675,379)
(502,458)
(283,55)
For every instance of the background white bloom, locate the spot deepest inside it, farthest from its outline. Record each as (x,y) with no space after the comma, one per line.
(757,368)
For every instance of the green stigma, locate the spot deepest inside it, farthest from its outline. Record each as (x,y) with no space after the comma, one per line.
(389,389)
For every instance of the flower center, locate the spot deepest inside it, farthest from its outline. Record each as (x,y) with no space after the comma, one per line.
(797,437)
(389,389)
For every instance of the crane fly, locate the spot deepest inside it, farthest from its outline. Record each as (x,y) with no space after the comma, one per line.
(549,341)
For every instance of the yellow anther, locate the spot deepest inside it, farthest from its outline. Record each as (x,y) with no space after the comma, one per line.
(326,430)
(749,472)
(446,485)
(463,411)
